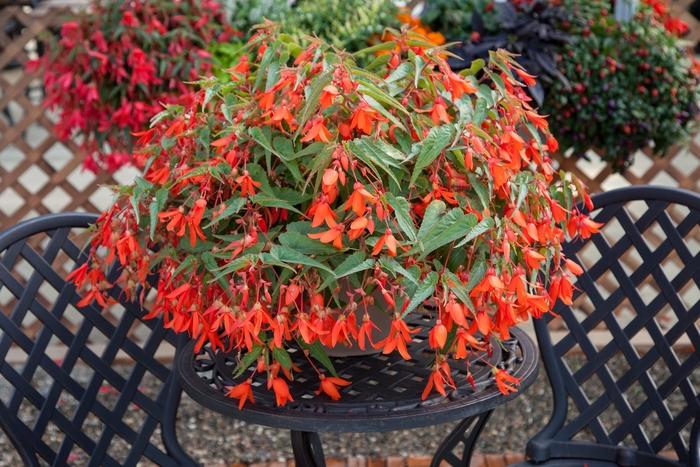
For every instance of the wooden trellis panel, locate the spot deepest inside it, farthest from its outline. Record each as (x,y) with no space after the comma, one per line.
(38,174)
(679,168)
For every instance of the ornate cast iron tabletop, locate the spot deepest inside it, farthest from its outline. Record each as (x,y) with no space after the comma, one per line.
(384,394)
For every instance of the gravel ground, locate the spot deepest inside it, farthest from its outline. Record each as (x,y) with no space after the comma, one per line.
(211,438)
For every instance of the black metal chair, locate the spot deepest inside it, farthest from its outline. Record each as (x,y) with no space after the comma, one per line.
(64,396)
(624,390)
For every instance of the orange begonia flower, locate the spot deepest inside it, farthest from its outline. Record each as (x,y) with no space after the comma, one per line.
(334,235)
(505,382)
(328,96)
(357,201)
(243,392)
(282,394)
(387,239)
(329,386)
(317,131)
(363,118)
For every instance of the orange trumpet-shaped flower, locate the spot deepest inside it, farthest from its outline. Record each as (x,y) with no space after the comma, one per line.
(281,114)
(387,239)
(533,259)
(194,219)
(78,275)
(399,336)
(330,177)
(343,330)
(126,246)
(365,332)
(483,323)
(538,120)
(439,112)
(583,225)
(282,394)
(308,328)
(552,144)
(357,201)
(316,130)
(322,213)
(328,96)
(334,235)
(243,392)
(363,118)
(266,100)
(158,176)
(247,184)
(224,141)
(440,377)
(526,77)
(505,382)
(560,288)
(329,386)
(94,294)
(240,68)
(291,293)
(358,227)
(176,220)
(437,336)
(458,86)
(456,312)
(537,304)
(573,267)
(465,341)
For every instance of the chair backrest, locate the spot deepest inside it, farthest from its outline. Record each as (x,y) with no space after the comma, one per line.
(78,385)
(622,360)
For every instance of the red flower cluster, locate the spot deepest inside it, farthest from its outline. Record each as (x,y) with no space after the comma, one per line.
(116,65)
(672,24)
(283,202)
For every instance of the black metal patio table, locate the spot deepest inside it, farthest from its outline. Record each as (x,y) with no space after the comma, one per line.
(384,394)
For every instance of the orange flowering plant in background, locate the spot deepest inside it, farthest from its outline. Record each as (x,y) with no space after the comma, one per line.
(410,183)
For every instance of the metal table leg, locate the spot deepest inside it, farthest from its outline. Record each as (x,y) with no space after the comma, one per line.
(466,433)
(308,450)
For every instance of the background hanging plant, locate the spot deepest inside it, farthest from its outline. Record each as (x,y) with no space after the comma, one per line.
(303,172)
(116,64)
(633,86)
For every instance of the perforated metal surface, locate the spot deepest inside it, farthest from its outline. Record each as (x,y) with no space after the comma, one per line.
(622,406)
(71,409)
(384,394)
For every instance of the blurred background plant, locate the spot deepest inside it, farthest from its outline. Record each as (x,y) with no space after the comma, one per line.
(245,14)
(535,31)
(453,18)
(633,85)
(117,63)
(615,87)
(345,24)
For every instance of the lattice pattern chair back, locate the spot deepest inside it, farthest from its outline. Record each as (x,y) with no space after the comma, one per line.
(621,360)
(76,387)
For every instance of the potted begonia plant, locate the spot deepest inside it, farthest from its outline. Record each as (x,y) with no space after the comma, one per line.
(415,185)
(118,62)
